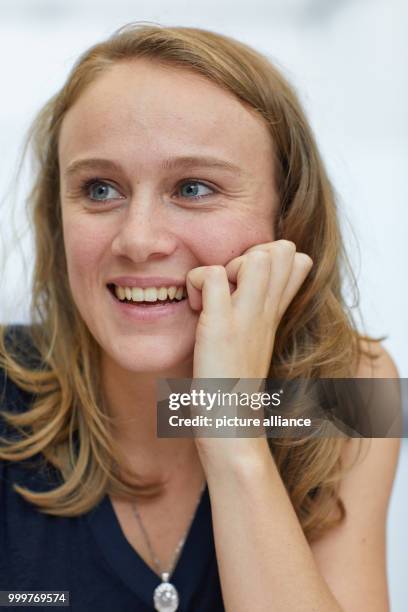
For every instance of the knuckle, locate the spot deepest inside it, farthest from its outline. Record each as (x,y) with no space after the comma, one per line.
(258,257)
(216,270)
(195,270)
(289,245)
(304,259)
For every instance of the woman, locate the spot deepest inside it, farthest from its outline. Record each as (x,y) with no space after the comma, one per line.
(180,159)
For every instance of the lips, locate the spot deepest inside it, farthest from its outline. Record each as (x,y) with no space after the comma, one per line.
(149,313)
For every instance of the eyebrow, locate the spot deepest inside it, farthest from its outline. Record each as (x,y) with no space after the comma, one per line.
(167,164)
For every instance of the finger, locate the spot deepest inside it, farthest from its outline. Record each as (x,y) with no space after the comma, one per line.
(264,246)
(234,265)
(282,253)
(268,247)
(301,267)
(251,273)
(211,283)
(268,295)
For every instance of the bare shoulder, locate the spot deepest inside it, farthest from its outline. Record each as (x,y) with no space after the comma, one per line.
(352,556)
(375,362)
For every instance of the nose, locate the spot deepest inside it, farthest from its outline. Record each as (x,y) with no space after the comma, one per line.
(143,231)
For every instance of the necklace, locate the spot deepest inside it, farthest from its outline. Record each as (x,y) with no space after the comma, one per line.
(165,596)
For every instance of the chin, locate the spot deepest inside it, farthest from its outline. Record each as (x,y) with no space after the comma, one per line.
(160,360)
(141,352)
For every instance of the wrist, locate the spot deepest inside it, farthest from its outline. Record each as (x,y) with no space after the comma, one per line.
(242,456)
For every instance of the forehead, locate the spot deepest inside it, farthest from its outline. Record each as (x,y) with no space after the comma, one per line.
(141,109)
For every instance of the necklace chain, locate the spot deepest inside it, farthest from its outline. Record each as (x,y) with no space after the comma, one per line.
(165,574)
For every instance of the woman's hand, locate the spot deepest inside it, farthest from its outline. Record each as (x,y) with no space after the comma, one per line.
(236,332)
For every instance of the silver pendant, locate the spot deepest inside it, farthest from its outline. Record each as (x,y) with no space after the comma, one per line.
(165,596)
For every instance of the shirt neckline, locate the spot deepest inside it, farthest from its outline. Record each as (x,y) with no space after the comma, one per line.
(195,556)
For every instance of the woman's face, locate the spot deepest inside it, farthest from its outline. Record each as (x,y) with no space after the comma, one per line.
(135,150)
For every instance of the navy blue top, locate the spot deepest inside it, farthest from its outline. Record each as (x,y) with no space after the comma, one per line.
(89,555)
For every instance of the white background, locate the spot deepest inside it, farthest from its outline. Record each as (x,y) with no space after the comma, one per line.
(348,61)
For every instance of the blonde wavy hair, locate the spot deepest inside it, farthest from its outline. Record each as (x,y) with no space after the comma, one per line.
(317,336)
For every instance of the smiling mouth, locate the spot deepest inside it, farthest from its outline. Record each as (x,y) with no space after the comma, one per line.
(153,301)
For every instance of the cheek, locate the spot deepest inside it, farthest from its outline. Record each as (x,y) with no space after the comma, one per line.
(218,243)
(84,247)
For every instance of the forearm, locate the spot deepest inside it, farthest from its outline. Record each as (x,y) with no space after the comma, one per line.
(264,560)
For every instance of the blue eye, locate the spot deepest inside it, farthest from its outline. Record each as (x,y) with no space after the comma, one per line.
(100,191)
(191,190)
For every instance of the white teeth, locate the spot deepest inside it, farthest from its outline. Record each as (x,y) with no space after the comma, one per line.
(137,294)
(150,294)
(120,292)
(171,292)
(162,293)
